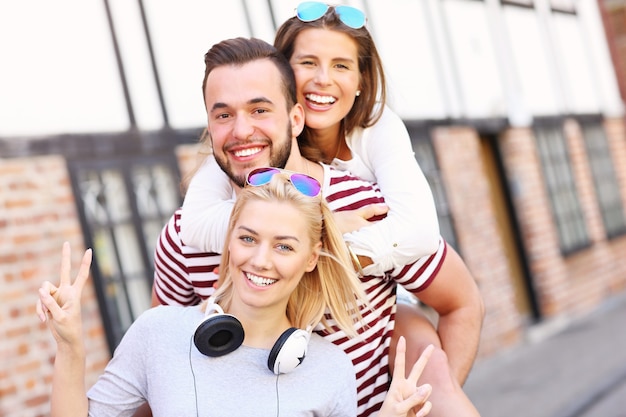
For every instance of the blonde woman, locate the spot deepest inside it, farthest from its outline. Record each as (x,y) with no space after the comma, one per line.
(249,349)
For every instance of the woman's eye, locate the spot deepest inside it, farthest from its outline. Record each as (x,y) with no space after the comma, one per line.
(284,248)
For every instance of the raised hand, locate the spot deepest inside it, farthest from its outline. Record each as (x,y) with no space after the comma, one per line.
(405,397)
(60,306)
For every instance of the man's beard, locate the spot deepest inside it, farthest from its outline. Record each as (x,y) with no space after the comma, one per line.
(279,154)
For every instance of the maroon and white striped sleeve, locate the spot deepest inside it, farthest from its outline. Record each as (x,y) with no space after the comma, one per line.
(172,285)
(417,276)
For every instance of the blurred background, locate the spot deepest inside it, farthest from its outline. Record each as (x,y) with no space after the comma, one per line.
(514,107)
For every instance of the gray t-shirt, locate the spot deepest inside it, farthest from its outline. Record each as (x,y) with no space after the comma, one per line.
(158,362)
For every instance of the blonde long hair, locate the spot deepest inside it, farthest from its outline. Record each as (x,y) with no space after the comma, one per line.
(332,284)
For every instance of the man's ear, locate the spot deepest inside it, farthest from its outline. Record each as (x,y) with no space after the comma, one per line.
(296,114)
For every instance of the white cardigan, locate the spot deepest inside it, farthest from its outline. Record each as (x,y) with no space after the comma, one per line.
(382,154)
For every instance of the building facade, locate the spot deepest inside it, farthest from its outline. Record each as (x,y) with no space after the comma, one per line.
(514,109)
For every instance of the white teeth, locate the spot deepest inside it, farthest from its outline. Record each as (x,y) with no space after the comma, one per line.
(260,281)
(247,152)
(321,99)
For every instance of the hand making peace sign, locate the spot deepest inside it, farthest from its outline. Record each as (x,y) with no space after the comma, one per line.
(405,397)
(60,306)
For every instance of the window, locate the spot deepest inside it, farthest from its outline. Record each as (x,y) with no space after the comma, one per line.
(606,186)
(561,188)
(426,158)
(124,202)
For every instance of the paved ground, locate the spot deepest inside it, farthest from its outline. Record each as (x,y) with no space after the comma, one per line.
(573,370)
(613,404)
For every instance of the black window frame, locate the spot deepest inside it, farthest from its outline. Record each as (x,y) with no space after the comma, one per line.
(123,153)
(560,182)
(604,176)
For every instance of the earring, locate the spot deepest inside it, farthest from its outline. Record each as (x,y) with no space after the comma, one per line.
(358,93)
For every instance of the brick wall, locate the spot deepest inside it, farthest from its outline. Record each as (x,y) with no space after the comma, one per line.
(616,132)
(37,214)
(468,190)
(614,18)
(566,286)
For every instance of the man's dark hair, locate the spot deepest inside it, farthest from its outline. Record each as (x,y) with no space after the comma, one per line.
(240,51)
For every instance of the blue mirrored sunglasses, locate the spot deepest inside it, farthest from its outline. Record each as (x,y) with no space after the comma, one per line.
(310,11)
(307,185)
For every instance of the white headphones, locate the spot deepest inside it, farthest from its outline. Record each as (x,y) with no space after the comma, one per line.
(219,334)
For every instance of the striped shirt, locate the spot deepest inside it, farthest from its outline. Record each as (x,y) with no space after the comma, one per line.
(184,276)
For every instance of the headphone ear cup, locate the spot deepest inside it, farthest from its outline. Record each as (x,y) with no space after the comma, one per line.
(288,351)
(218,334)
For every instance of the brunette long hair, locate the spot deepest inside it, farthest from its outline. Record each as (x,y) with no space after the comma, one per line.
(366,110)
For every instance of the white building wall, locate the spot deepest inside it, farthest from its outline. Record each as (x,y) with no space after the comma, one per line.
(445,59)
(58,72)
(410,56)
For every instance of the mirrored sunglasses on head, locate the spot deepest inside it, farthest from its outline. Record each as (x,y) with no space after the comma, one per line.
(310,11)
(306,184)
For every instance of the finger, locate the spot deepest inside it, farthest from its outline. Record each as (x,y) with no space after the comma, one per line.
(380,208)
(83,272)
(416,402)
(42,311)
(49,288)
(425,410)
(398,367)
(65,264)
(49,303)
(420,364)
(40,308)
(372,210)
(422,393)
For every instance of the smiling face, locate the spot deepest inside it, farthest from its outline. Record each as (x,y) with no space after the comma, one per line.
(325,63)
(270,250)
(248,119)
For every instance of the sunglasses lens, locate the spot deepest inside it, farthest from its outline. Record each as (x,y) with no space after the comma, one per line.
(311,10)
(305,184)
(308,186)
(351,17)
(261,176)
